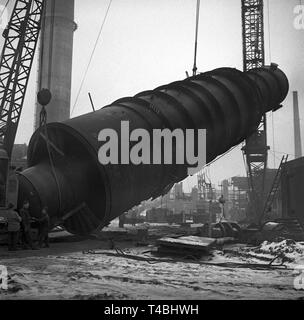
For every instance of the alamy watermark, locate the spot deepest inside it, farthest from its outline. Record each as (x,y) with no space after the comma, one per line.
(3,278)
(180,147)
(298,22)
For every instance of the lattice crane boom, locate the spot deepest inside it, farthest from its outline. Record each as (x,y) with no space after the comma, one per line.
(21,38)
(255,149)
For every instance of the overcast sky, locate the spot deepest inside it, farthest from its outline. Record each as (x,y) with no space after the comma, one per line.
(147,43)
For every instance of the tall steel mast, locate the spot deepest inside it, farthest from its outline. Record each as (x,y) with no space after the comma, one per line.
(255,149)
(21,37)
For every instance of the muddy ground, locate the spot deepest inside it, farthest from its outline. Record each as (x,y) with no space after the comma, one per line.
(92,269)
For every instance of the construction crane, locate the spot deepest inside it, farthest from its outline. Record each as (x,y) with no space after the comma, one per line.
(255,150)
(20,42)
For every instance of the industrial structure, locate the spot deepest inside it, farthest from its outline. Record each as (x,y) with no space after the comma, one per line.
(255,149)
(20,41)
(56,58)
(105,197)
(64,173)
(297,126)
(21,38)
(87,195)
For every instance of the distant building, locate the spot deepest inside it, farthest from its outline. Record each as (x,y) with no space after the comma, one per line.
(292,185)
(178,191)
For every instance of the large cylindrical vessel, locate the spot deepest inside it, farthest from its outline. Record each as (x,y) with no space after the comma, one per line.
(65,173)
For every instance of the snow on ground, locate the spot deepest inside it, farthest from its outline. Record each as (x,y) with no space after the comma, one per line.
(74,275)
(68,271)
(291,251)
(294,251)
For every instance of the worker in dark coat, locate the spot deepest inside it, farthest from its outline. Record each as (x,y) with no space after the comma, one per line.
(44,224)
(26,226)
(122,219)
(13,227)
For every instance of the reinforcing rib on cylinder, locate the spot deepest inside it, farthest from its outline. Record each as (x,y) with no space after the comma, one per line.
(66,176)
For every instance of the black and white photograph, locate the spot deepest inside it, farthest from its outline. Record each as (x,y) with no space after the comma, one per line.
(151,151)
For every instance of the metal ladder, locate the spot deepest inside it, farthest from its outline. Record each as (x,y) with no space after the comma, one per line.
(274,189)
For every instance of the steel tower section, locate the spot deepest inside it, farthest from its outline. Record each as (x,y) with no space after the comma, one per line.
(255,149)
(253,34)
(21,37)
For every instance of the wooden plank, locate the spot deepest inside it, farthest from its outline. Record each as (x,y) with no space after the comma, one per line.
(191,242)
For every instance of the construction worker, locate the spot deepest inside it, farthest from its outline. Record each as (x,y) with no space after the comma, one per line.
(13,227)
(26,226)
(44,224)
(222,201)
(122,219)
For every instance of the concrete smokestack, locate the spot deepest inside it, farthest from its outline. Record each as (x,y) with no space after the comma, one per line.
(297,127)
(55,63)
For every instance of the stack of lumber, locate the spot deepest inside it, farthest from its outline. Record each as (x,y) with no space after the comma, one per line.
(185,246)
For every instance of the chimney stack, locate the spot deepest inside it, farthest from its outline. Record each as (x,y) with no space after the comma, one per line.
(297,127)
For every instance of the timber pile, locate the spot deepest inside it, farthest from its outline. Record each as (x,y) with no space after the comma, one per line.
(121,235)
(185,246)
